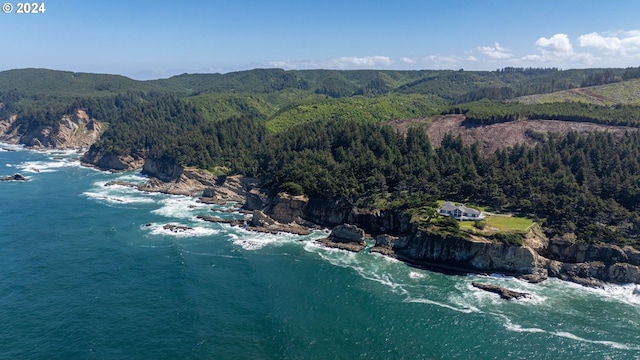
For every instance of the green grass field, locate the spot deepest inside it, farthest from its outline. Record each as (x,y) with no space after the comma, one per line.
(502,223)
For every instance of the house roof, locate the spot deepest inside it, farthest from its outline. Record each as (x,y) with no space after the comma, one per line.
(467,210)
(450,206)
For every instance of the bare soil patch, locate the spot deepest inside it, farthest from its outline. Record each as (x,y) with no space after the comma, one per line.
(496,136)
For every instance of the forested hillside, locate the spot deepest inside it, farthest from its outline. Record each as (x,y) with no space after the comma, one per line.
(326,134)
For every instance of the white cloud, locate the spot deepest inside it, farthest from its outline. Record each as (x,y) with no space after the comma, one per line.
(440,62)
(496,52)
(622,42)
(341,63)
(408,60)
(360,62)
(557,46)
(557,49)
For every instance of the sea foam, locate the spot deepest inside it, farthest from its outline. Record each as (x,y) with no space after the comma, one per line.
(186,231)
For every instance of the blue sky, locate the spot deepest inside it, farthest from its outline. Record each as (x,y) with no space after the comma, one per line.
(155,39)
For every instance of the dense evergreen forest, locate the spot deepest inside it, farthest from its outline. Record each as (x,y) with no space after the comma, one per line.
(322,133)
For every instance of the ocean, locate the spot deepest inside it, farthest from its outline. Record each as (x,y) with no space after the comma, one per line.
(90,272)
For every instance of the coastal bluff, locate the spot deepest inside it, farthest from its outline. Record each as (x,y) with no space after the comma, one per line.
(535,260)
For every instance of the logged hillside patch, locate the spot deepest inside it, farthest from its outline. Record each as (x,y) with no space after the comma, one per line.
(501,135)
(620,93)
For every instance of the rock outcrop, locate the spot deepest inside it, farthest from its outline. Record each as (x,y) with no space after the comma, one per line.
(112,162)
(261,222)
(346,237)
(75,131)
(288,208)
(166,171)
(191,182)
(476,254)
(587,264)
(504,293)
(177,228)
(14,177)
(7,133)
(216,219)
(234,188)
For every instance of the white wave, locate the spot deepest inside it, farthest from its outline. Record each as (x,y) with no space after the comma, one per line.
(416,275)
(251,240)
(622,293)
(610,293)
(47,166)
(10,147)
(464,309)
(386,258)
(612,344)
(134,178)
(195,231)
(59,152)
(119,194)
(367,266)
(117,199)
(180,207)
(254,243)
(517,328)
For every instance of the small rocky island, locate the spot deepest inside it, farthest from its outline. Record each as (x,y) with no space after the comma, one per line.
(504,293)
(14,177)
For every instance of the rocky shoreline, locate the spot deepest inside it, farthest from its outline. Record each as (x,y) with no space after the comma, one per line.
(591,265)
(536,260)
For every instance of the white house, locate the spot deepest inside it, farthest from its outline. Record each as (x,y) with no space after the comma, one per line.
(460,212)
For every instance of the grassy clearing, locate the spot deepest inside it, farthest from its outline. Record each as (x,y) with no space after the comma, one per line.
(500,223)
(509,223)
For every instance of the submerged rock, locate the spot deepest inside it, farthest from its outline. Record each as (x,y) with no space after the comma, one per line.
(177,228)
(216,219)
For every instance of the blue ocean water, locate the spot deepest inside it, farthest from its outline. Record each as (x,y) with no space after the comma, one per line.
(89,272)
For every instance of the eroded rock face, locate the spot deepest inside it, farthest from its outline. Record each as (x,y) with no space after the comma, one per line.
(479,255)
(347,233)
(75,130)
(288,208)
(191,182)
(164,170)
(459,254)
(261,219)
(5,135)
(566,251)
(327,213)
(346,237)
(112,162)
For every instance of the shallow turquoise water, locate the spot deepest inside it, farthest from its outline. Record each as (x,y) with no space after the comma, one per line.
(87,271)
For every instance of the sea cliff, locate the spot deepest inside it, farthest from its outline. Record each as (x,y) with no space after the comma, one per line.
(395,235)
(73,131)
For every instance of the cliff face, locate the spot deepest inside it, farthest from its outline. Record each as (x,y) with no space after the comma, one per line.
(74,131)
(171,178)
(567,251)
(108,161)
(164,170)
(333,213)
(477,254)
(586,264)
